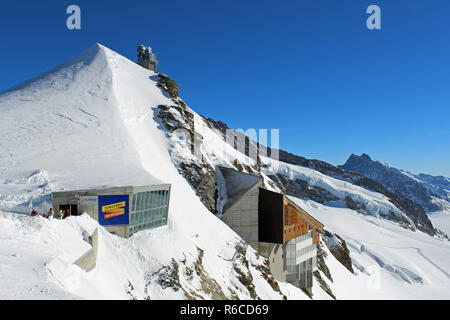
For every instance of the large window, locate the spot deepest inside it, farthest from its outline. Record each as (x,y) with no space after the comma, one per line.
(293,251)
(148,210)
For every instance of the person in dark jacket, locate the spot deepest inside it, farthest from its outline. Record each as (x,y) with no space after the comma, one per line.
(50,213)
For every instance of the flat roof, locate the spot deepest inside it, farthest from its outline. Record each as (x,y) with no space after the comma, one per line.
(116,188)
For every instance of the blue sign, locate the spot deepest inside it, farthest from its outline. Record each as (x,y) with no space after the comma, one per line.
(113,210)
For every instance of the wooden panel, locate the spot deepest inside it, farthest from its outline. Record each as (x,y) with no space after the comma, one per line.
(298,221)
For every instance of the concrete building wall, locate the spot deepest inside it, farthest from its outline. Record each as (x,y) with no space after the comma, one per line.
(121,230)
(88,261)
(274,253)
(242,215)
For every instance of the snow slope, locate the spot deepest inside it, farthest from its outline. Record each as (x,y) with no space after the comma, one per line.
(402,264)
(442,221)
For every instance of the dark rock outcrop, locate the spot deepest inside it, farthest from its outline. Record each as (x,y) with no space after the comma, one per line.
(201,176)
(338,249)
(168,85)
(301,189)
(321,266)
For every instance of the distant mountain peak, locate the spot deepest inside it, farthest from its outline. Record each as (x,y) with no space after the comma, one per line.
(421,189)
(366,156)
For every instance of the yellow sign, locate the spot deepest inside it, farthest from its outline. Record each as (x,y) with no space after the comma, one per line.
(110,207)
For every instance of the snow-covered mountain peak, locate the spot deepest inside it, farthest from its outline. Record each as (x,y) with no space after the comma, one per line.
(433,193)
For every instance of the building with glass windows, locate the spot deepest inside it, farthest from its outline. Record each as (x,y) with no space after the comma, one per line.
(272,224)
(120,210)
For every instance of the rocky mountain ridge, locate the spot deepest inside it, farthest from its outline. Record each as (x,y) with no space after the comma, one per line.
(432,193)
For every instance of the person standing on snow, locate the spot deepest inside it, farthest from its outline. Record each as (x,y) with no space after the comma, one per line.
(50,213)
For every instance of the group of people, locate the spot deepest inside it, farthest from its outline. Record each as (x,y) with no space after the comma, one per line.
(60,215)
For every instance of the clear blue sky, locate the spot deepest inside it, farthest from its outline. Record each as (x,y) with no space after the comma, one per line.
(309,68)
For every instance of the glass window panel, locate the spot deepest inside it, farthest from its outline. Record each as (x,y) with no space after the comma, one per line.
(155,202)
(144,206)
(149,200)
(133,203)
(157,199)
(162,198)
(144,200)
(165,197)
(152,200)
(140,199)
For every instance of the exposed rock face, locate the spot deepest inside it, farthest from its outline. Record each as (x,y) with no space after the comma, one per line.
(402,183)
(354,205)
(338,249)
(321,255)
(323,284)
(203,179)
(301,189)
(244,277)
(169,85)
(201,176)
(437,181)
(321,265)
